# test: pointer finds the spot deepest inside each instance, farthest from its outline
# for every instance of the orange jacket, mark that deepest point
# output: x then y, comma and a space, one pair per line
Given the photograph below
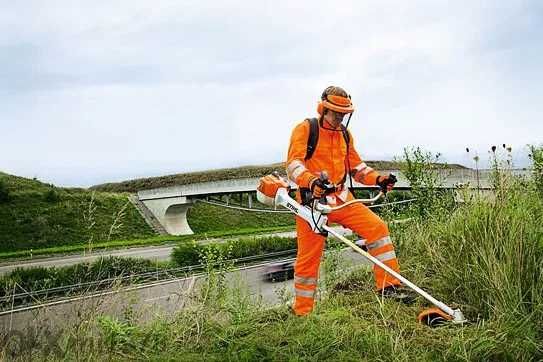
330, 155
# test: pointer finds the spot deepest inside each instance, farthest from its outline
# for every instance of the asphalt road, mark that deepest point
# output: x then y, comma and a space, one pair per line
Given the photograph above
149, 252
162, 298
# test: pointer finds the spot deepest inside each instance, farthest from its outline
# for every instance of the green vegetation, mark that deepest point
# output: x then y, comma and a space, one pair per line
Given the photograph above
205, 218
155, 240
217, 175
536, 154
85, 277
34, 215
186, 254
485, 256
422, 170
189, 178
4, 192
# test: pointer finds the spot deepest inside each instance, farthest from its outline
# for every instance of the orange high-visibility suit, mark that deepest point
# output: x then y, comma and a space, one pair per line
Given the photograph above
331, 155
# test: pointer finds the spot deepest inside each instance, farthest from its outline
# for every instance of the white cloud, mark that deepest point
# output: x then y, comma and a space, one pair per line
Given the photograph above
97, 91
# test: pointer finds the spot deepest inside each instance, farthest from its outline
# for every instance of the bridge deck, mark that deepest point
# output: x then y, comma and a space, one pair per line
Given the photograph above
451, 178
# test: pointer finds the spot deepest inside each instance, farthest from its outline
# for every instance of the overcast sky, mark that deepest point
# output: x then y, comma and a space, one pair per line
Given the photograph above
98, 91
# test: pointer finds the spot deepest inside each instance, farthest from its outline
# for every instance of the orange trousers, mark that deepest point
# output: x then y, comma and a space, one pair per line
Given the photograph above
361, 220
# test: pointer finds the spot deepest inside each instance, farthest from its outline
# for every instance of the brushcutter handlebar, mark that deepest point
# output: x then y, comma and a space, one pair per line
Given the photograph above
322, 206
325, 209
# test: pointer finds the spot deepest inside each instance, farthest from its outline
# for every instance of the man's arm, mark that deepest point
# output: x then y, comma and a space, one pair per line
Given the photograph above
296, 170
359, 170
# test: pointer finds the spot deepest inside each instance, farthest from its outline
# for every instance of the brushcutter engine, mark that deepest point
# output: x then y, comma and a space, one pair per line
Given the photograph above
273, 191
268, 187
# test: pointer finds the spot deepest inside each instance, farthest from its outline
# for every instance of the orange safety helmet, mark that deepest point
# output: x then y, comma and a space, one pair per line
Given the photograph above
336, 99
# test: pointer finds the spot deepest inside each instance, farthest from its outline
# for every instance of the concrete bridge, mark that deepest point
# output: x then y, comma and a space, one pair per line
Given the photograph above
166, 208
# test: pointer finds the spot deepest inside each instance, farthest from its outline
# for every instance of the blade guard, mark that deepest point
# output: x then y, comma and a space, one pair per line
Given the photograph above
435, 317
268, 187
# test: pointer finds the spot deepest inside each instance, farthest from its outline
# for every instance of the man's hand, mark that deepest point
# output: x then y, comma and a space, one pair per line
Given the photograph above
386, 183
317, 187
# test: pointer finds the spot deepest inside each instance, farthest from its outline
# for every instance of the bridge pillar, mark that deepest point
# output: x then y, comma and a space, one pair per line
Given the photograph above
175, 220
171, 212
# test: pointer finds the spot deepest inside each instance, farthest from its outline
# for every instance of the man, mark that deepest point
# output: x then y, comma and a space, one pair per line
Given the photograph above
334, 153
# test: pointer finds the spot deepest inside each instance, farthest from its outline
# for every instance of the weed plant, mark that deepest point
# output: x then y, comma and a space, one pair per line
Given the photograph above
426, 176
536, 155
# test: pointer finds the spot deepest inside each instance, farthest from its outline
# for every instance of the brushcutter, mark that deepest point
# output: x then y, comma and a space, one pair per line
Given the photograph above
273, 190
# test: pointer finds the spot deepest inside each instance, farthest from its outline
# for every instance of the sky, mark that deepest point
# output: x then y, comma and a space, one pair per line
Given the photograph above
103, 91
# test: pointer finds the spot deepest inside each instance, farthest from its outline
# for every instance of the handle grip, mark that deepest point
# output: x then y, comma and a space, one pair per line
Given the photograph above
392, 179
329, 187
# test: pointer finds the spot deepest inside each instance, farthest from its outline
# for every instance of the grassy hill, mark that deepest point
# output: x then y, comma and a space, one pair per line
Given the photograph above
216, 175
37, 215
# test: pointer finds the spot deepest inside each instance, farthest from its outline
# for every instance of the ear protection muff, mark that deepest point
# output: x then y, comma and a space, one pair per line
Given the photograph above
320, 109
335, 103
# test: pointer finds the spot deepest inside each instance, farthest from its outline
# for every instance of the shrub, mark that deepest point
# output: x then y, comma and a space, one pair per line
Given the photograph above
424, 173
33, 279
187, 254
4, 192
51, 195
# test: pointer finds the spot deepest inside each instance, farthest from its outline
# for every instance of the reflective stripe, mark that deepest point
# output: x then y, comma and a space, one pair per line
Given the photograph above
364, 169
389, 255
295, 169
381, 242
291, 166
305, 293
305, 280
361, 166
298, 171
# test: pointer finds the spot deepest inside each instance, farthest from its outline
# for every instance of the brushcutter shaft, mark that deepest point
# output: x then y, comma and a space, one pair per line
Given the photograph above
377, 262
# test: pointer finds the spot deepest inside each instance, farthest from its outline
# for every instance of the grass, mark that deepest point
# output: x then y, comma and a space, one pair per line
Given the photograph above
205, 218
38, 216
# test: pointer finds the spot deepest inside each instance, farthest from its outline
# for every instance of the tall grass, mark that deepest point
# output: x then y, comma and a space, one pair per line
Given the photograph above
536, 154
487, 256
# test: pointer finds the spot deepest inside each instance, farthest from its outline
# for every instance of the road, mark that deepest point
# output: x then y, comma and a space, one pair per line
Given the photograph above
150, 252
148, 301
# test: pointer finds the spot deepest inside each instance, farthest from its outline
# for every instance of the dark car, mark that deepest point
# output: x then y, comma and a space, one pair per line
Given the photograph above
279, 271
